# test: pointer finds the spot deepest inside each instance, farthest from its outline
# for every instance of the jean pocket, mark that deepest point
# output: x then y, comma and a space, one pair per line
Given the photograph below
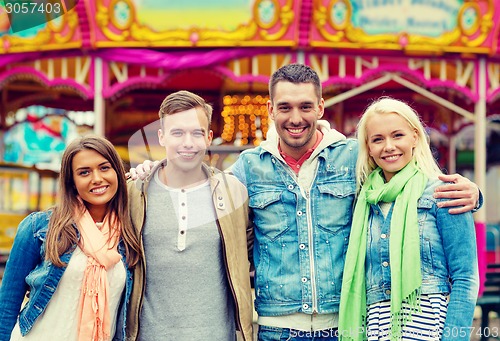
267, 333
269, 213
334, 209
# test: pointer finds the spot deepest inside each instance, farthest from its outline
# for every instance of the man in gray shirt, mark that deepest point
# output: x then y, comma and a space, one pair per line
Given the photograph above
193, 224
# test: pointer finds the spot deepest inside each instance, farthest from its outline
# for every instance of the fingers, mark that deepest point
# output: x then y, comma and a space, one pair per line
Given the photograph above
454, 191
143, 170
457, 206
460, 205
455, 202
148, 165
459, 210
450, 177
131, 174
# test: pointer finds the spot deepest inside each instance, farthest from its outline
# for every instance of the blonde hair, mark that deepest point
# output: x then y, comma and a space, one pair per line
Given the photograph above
422, 153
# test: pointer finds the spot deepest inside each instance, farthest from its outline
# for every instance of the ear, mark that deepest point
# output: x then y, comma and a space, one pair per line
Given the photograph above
270, 109
160, 137
415, 138
210, 137
321, 107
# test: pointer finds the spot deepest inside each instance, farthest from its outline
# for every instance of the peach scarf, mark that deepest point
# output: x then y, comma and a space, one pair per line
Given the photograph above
100, 248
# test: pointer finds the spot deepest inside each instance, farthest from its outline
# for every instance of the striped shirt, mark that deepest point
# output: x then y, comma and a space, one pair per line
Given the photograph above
426, 325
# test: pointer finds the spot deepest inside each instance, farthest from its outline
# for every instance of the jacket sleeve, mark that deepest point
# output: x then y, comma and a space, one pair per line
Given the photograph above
459, 243
23, 258
238, 170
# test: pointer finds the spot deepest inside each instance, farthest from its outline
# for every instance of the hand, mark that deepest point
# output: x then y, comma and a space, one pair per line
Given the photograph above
142, 170
462, 193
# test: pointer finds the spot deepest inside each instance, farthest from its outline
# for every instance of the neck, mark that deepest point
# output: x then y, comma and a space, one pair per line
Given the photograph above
97, 213
175, 178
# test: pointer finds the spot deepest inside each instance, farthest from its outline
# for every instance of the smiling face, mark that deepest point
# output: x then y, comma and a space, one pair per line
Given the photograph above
186, 137
95, 180
390, 142
295, 110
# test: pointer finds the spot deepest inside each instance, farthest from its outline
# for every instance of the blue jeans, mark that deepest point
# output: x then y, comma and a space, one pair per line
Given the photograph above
267, 333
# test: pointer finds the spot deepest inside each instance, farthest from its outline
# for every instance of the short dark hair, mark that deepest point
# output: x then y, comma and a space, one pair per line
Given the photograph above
295, 73
181, 101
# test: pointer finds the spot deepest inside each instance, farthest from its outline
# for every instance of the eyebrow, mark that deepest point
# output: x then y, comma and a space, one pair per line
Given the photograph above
180, 129
392, 132
86, 167
289, 103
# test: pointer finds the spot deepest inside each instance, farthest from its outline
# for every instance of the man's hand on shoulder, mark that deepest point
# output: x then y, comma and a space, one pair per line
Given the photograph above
463, 193
142, 170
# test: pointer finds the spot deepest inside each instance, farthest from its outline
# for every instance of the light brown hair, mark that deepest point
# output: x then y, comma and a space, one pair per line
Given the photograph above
181, 101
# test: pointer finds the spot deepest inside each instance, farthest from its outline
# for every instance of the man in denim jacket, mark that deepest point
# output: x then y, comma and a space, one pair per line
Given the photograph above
301, 185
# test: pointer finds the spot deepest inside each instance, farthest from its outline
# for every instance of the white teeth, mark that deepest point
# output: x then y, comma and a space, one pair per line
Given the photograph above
187, 154
295, 131
99, 190
392, 158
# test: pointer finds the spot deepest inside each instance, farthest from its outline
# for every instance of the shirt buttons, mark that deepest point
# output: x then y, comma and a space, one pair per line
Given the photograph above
305, 306
182, 231
388, 292
299, 213
304, 279
383, 236
290, 187
386, 264
302, 246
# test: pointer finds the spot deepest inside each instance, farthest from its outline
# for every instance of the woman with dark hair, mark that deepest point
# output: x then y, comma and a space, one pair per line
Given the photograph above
72, 263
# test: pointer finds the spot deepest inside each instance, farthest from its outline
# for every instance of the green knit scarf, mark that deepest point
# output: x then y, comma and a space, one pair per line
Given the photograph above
406, 187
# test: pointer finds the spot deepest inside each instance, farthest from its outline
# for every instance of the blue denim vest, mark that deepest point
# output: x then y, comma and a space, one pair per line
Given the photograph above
301, 234
447, 252
27, 269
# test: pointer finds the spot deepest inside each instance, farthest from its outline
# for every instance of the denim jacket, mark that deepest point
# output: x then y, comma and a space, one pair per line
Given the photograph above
28, 270
448, 258
301, 234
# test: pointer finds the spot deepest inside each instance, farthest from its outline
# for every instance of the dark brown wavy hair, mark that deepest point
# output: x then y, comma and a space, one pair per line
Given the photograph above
62, 235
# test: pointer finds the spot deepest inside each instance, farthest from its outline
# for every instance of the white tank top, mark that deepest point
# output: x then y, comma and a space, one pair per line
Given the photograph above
58, 321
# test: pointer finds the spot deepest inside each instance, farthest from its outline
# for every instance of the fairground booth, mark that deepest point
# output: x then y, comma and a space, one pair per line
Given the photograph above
106, 65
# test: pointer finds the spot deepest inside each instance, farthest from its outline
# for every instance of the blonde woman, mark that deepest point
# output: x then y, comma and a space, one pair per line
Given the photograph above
411, 267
